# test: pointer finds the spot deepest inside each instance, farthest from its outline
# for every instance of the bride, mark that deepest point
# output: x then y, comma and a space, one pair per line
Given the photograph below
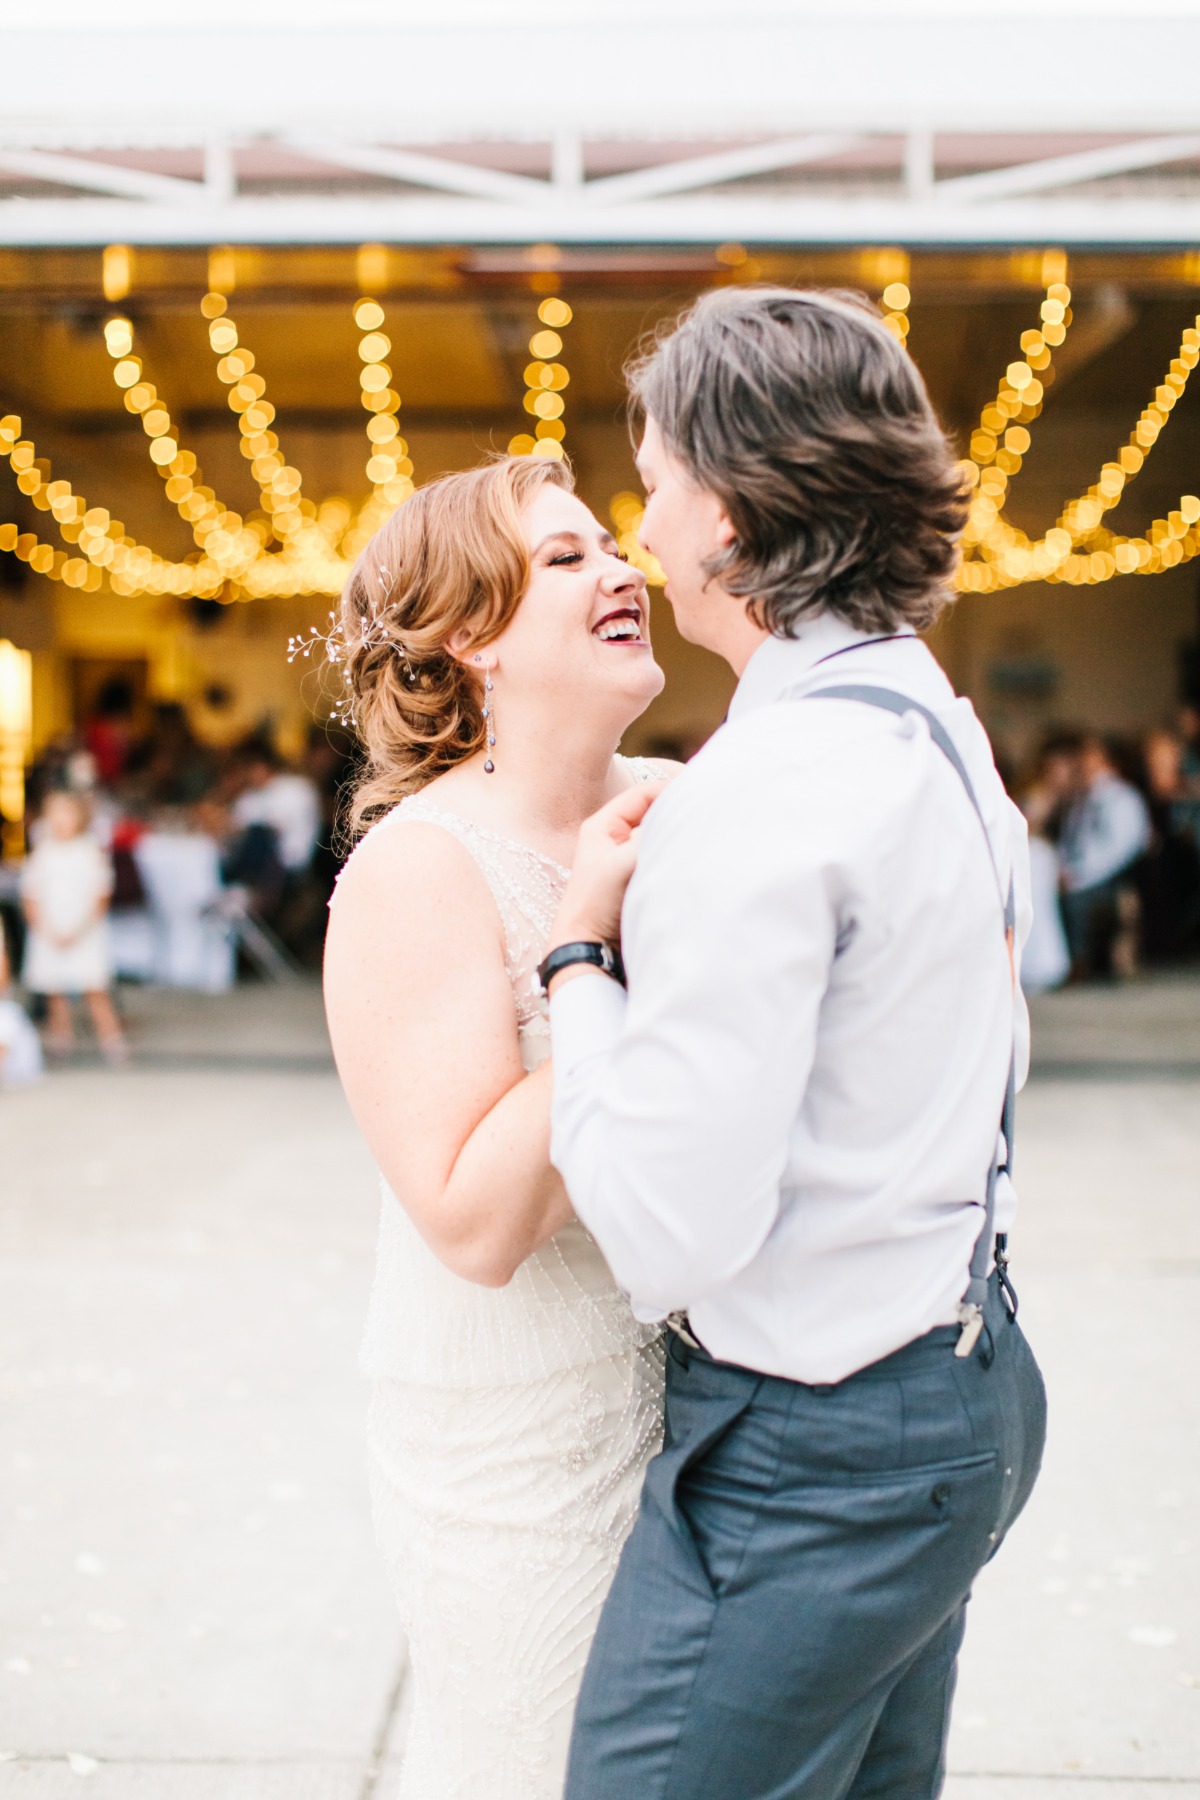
495, 648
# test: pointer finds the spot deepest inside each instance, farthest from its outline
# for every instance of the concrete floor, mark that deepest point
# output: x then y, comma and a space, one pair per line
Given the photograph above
191, 1606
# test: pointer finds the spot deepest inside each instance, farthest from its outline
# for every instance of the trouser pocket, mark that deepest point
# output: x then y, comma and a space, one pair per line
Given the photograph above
704, 1406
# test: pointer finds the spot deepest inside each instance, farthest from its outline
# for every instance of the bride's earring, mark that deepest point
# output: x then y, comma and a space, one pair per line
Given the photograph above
489, 718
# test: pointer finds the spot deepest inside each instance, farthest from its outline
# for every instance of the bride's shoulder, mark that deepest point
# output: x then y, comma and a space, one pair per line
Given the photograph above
410, 862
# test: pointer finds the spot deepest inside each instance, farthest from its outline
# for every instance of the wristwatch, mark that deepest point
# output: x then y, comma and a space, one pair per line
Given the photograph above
601, 956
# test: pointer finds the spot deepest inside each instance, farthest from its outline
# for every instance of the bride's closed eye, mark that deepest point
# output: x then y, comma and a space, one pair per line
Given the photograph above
568, 556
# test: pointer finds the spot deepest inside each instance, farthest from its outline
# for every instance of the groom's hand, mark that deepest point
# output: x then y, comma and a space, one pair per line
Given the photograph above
605, 859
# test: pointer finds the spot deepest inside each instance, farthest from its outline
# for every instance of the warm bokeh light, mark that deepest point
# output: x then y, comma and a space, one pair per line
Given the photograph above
290, 544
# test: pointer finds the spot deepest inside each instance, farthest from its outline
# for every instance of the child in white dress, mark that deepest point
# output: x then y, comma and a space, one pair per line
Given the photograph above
65, 887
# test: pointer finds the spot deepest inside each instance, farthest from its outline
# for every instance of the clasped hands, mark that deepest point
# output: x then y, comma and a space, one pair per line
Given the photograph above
605, 858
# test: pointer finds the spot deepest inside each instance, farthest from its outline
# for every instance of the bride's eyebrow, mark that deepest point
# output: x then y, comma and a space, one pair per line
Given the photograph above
558, 537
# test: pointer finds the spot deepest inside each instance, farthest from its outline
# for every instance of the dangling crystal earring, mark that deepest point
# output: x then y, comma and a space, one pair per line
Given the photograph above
489, 720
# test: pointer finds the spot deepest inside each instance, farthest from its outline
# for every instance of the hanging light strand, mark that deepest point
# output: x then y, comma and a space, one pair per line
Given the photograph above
627, 511
896, 300
280, 485
131, 567
223, 538
545, 381
1079, 549
1002, 438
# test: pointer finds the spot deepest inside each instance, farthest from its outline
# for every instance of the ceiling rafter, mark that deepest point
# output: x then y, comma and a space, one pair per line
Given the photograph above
685, 200
107, 178
1067, 171
695, 172
416, 169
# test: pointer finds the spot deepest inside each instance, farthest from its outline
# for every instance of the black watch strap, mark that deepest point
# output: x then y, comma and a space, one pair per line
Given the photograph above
599, 955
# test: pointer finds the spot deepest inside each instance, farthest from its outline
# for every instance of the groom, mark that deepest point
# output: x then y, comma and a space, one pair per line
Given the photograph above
784, 1136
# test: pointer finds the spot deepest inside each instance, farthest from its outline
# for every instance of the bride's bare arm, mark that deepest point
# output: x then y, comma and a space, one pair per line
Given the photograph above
421, 1017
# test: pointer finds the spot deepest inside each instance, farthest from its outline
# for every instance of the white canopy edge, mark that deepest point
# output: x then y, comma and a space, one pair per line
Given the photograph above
679, 221
654, 73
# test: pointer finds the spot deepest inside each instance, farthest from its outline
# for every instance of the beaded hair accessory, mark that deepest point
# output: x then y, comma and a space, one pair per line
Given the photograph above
373, 632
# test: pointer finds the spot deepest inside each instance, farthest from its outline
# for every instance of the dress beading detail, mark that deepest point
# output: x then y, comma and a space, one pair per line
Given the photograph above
509, 1432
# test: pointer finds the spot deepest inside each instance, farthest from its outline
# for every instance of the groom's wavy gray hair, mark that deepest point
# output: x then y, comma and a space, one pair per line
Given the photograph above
810, 422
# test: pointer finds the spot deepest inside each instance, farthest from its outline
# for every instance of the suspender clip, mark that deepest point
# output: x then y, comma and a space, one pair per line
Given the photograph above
970, 1318
1011, 1303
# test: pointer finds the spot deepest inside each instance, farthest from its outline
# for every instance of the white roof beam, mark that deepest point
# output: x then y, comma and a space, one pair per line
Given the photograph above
566, 171
418, 170
558, 217
103, 178
1067, 171
919, 170
720, 165
220, 171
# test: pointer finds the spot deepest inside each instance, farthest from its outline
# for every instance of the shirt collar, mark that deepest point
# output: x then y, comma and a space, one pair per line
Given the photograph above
779, 663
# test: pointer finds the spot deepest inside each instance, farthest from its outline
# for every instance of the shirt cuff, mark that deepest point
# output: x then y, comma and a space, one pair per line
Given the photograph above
586, 1019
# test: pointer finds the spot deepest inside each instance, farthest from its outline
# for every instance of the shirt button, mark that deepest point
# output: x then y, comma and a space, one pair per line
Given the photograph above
992, 1536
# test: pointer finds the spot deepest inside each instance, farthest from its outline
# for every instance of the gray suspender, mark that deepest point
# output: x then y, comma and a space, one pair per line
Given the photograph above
970, 1311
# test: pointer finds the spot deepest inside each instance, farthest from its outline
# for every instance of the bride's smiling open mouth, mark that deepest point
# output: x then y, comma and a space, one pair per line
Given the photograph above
623, 625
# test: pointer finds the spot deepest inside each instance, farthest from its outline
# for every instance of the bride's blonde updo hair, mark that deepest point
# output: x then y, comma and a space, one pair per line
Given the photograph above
453, 557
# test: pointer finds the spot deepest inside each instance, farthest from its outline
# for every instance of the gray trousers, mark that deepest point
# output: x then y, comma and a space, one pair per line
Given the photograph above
786, 1617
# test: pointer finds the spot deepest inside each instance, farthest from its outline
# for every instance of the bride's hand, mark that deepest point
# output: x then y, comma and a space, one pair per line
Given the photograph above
605, 859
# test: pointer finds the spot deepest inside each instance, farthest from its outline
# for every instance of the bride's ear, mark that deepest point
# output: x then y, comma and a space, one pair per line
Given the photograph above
460, 645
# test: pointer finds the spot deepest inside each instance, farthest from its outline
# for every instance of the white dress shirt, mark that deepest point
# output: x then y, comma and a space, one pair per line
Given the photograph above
786, 1125
291, 805
1103, 833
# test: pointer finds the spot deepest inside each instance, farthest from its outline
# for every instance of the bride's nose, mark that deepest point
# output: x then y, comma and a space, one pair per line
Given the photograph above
620, 577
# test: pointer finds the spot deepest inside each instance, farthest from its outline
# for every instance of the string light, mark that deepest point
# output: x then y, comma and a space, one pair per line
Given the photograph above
222, 269
371, 268
16, 731
545, 380
101, 538
627, 512
1079, 549
116, 271
1002, 438
219, 533
897, 300
295, 547
389, 469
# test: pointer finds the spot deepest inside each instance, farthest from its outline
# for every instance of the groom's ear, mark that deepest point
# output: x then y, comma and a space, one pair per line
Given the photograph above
724, 532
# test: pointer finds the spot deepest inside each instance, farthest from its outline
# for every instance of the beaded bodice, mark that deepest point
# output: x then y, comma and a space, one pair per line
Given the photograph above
527, 888
562, 1309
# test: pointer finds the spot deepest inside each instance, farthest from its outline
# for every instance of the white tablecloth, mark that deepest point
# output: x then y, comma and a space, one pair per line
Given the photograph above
179, 939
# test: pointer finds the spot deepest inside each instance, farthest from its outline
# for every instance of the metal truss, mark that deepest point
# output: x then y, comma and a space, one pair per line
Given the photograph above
813, 189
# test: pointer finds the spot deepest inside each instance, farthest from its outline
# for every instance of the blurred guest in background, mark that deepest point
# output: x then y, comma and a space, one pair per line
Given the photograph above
329, 760
170, 767
1105, 832
20, 1046
66, 884
1046, 960
109, 732
1169, 874
285, 802
1189, 732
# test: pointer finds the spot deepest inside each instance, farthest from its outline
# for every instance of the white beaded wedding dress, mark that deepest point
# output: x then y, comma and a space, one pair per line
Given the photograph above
508, 1433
